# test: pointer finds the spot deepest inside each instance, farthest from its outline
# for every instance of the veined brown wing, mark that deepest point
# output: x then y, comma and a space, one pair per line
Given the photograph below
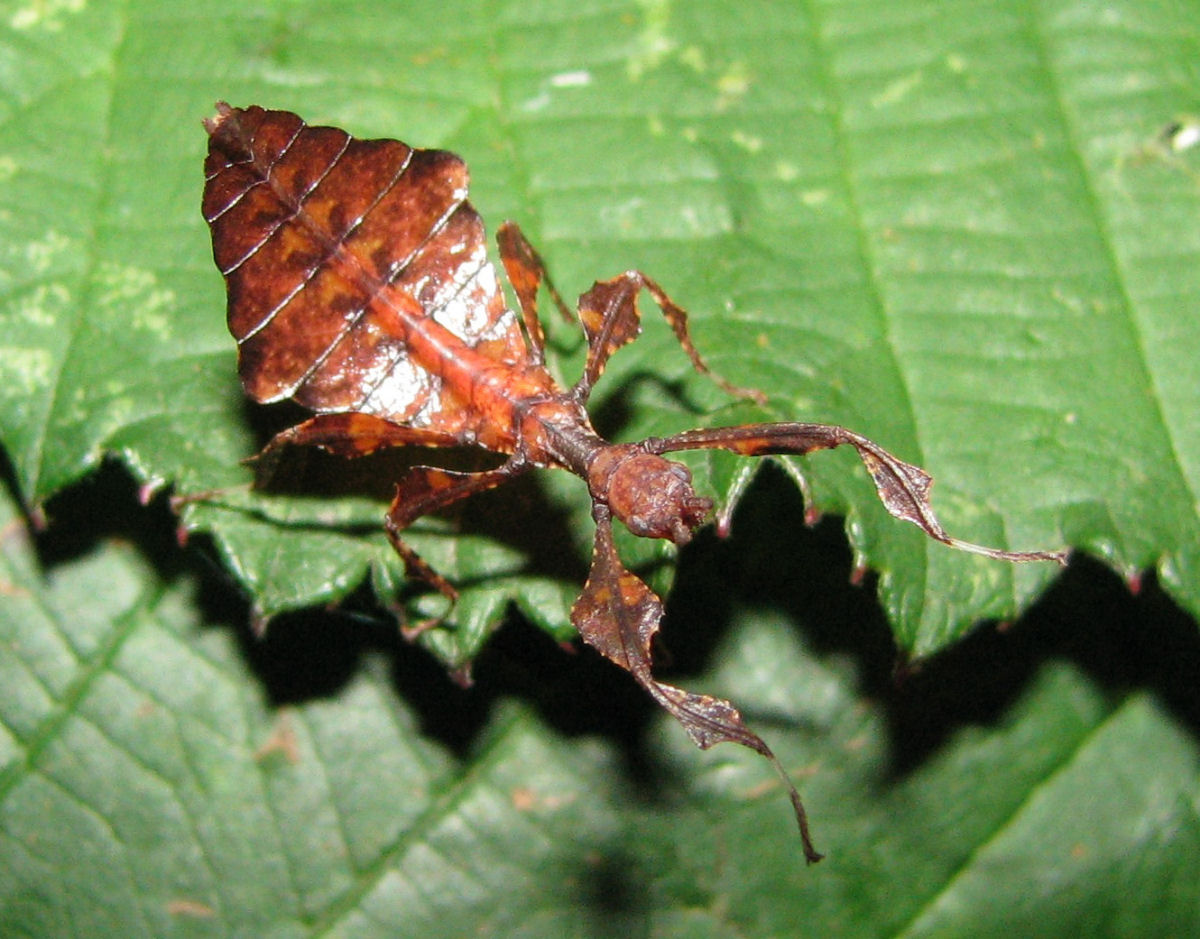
334, 250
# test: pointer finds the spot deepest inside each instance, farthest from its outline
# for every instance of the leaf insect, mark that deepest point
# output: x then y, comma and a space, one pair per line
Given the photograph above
359, 286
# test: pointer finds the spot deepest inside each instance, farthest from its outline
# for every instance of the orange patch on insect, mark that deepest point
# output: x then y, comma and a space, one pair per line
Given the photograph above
603, 596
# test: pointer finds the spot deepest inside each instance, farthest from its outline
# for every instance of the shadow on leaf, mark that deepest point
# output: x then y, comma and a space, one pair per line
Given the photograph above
1122, 641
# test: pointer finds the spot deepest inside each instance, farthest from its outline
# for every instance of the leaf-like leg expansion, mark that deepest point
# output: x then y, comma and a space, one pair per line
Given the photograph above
346, 435
610, 317
618, 614
426, 489
902, 487
355, 434
526, 271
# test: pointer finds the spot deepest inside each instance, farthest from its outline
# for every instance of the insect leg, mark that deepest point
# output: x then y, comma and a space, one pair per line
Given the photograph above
902, 487
526, 272
347, 435
355, 434
618, 615
424, 490
611, 319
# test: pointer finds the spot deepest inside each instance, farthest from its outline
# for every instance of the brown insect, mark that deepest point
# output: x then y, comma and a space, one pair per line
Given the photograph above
359, 286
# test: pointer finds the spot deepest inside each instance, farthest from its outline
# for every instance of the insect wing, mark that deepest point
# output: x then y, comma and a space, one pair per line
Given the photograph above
336, 252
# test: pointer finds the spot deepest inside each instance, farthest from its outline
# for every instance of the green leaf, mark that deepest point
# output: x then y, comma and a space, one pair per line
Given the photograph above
963, 234
149, 788
967, 231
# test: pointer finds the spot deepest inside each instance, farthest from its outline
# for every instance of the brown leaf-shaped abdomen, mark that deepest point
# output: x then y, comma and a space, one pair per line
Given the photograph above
335, 251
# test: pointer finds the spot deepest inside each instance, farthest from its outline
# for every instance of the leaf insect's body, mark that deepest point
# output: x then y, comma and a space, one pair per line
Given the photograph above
359, 286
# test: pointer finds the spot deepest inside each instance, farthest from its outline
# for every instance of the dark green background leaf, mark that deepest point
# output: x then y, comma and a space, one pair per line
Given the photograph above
151, 785
968, 231
963, 235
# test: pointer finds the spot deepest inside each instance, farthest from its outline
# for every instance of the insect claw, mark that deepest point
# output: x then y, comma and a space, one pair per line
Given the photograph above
1060, 556
148, 490
462, 676
260, 622
412, 631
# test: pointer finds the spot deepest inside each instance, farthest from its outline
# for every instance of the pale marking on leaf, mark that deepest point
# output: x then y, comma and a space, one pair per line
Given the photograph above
43, 306
573, 79
693, 58
135, 294
898, 90
786, 171
43, 253
732, 86
25, 370
748, 142
653, 43
537, 103
45, 13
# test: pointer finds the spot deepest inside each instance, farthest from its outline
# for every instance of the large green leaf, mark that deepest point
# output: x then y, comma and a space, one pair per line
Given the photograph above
967, 231
148, 788
963, 234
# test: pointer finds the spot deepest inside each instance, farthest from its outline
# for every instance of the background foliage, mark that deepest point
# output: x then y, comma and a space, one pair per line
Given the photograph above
967, 231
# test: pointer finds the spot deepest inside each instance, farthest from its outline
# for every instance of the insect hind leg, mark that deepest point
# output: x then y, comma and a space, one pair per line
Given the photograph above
424, 490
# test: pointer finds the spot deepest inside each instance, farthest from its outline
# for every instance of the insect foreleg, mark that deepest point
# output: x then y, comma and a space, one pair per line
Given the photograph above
424, 490
526, 271
618, 615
